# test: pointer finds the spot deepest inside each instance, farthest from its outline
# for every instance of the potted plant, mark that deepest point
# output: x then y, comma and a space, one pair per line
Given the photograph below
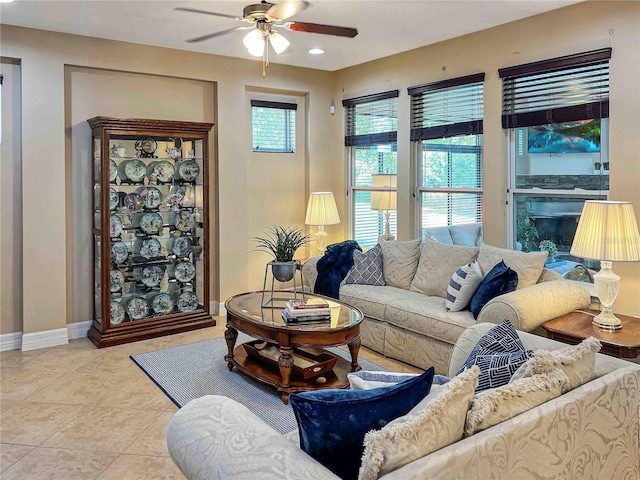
282, 243
526, 232
551, 249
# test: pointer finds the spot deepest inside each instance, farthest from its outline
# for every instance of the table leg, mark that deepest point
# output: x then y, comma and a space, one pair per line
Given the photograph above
354, 348
285, 363
230, 335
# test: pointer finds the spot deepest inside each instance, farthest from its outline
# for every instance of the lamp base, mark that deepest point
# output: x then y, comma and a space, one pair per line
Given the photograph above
607, 321
606, 283
387, 237
321, 238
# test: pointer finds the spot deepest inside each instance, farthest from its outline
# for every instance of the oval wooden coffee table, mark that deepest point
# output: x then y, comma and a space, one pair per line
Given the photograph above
245, 314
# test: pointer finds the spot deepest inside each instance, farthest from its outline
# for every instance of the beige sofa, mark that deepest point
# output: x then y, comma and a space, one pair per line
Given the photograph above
589, 432
417, 329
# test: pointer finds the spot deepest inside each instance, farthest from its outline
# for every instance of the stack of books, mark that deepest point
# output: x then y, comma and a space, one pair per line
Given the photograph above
309, 310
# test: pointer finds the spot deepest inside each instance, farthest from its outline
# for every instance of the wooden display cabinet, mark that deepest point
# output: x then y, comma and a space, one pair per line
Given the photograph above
150, 228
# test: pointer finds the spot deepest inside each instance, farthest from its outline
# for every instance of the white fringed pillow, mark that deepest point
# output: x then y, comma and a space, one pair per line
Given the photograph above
463, 284
499, 404
577, 362
429, 426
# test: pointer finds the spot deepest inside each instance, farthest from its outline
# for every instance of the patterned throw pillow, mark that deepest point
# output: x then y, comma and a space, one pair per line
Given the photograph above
498, 353
462, 286
399, 261
367, 268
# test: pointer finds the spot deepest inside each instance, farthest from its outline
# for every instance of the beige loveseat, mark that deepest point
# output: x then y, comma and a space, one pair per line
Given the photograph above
404, 323
590, 432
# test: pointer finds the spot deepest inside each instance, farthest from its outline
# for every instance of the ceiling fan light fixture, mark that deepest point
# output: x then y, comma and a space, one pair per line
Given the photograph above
254, 42
278, 42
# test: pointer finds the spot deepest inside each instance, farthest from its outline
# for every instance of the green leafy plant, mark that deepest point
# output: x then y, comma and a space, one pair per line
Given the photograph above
549, 247
526, 232
282, 242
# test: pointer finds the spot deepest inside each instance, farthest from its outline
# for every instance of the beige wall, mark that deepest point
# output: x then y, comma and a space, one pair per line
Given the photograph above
46, 55
574, 29
10, 201
45, 148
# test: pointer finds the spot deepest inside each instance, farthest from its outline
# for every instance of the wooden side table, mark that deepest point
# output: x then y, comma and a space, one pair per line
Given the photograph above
574, 327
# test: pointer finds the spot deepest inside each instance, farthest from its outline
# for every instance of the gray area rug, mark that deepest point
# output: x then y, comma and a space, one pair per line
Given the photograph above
191, 371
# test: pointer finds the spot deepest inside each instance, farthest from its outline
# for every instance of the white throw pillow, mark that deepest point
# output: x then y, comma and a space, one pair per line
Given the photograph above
399, 261
438, 262
428, 427
577, 362
463, 284
528, 266
491, 407
368, 379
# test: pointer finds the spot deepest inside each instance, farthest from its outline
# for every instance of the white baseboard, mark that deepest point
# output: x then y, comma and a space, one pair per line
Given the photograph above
48, 338
10, 341
216, 306
79, 329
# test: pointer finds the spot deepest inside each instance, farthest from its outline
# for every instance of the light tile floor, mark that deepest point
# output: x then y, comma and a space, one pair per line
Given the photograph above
76, 412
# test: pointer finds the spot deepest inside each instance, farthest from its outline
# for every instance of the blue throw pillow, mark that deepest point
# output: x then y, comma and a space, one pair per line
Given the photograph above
332, 423
500, 280
498, 354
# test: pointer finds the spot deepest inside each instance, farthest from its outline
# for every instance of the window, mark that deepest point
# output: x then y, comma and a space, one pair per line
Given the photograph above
556, 112
371, 125
446, 128
273, 126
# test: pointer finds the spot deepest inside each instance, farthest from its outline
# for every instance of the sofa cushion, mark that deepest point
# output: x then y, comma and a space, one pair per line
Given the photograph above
499, 404
576, 361
372, 300
367, 268
498, 353
500, 280
399, 261
528, 265
428, 316
463, 284
440, 234
433, 424
333, 422
438, 262
468, 235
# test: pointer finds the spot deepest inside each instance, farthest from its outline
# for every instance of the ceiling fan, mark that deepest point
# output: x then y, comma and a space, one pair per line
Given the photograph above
263, 17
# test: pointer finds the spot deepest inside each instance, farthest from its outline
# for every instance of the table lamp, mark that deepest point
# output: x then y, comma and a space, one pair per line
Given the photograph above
321, 211
607, 231
384, 200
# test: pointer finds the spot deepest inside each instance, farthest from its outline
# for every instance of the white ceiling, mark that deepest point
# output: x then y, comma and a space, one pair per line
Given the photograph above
385, 27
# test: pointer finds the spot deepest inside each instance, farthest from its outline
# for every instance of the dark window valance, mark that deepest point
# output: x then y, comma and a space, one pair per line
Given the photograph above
280, 105
447, 108
563, 89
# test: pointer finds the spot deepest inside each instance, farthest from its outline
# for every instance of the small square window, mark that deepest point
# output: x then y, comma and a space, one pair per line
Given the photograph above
273, 126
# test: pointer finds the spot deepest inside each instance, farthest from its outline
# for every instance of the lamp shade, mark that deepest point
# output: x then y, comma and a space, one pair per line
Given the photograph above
384, 200
322, 209
278, 42
254, 41
607, 231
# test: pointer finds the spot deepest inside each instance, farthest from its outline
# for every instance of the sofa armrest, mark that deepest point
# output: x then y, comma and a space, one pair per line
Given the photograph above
310, 271
530, 307
216, 437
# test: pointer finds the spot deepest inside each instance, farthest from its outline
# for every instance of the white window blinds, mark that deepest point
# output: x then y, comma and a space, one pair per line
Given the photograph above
273, 126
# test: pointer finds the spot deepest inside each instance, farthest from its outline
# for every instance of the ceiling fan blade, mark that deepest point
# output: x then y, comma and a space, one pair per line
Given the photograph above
323, 29
217, 34
206, 12
287, 9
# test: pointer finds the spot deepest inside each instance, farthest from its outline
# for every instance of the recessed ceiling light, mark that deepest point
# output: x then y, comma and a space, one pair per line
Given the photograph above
316, 51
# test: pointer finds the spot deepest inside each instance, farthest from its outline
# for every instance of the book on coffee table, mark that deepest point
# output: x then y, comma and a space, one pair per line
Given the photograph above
288, 318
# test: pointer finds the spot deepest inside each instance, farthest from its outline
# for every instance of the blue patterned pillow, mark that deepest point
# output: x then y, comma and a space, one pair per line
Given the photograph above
500, 280
332, 423
367, 267
498, 354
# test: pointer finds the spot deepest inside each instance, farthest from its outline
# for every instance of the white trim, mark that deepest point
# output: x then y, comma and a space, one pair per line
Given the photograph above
48, 338
216, 306
78, 329
10, 341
